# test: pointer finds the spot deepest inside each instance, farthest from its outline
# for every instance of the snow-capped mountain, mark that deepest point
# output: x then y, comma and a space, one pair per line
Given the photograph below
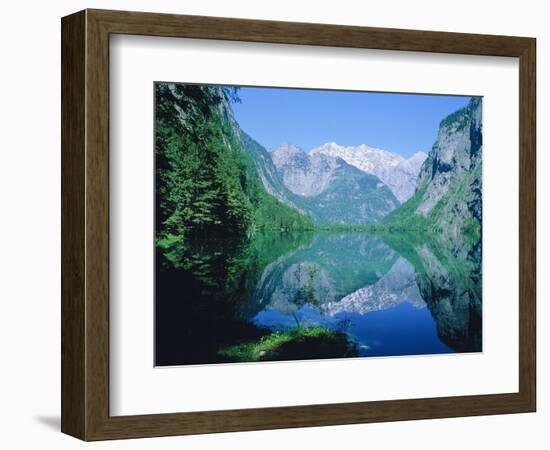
304, 174
330, 189
398, 173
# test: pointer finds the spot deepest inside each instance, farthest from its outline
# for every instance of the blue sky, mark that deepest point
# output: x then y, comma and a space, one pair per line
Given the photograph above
402, 123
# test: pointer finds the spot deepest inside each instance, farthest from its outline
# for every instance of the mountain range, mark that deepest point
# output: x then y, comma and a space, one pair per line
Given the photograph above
336, 184
360, 185
226, 182
330, 189
398, 173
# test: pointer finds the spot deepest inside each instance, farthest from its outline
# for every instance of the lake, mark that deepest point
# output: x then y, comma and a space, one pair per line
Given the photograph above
283, 296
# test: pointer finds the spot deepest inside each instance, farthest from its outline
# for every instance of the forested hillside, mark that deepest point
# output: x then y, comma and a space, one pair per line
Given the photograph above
206, 185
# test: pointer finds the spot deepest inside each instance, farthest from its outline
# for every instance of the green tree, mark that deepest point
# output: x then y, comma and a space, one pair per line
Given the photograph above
206, 184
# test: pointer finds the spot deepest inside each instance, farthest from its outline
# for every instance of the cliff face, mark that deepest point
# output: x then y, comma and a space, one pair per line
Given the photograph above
266, 171
303, 174
448, 200
450, 180
448, 196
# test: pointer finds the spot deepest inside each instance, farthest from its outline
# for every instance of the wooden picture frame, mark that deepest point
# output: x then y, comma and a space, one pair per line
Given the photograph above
85, 224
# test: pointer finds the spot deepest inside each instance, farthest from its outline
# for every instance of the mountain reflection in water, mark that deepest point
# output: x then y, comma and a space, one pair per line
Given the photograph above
385, 295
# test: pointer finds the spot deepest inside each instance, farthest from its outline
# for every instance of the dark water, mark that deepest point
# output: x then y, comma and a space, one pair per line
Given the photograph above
386, 296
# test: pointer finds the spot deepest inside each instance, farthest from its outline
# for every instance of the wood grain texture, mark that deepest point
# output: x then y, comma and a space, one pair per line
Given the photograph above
527, 224
73, 109
85, 224
266, 31
97, 225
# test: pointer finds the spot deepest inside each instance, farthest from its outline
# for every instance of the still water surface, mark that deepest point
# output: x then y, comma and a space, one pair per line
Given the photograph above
386, 297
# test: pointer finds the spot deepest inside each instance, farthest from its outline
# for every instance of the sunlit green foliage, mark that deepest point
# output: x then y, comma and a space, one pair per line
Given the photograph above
206, 186
405, 217
197, 181
315, 342
471, 230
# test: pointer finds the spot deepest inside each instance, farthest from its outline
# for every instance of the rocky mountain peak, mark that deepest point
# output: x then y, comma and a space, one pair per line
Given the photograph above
286, 147
398, 173
329, 188
455, 156
288, 154
302, 173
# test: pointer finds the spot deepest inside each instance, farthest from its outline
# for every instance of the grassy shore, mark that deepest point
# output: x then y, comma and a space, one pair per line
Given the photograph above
300, 343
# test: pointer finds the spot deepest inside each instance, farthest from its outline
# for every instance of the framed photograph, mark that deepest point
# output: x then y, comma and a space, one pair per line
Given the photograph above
272, 225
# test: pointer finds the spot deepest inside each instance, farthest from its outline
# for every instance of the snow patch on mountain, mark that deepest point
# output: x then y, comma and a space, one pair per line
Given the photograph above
398, 173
